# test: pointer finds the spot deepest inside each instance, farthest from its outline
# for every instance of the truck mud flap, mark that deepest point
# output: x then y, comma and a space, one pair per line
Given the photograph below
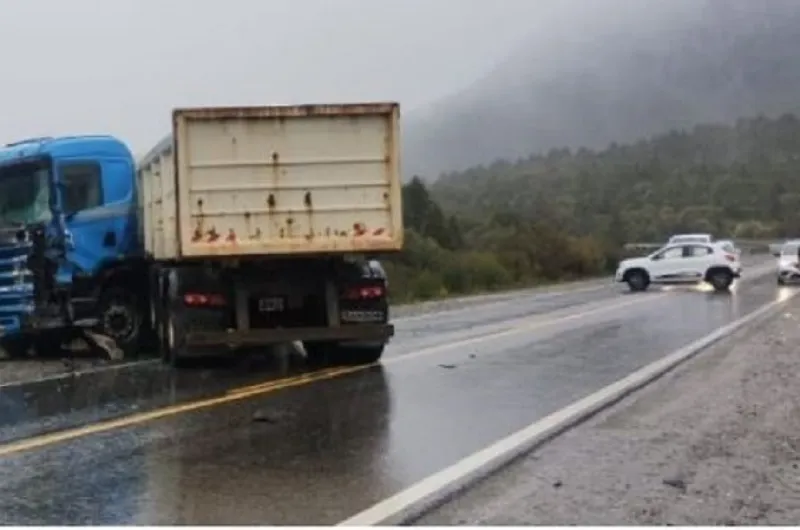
258, 337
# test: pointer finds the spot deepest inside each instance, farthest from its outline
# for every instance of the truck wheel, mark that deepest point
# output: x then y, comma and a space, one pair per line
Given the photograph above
174, 350
720, 279
121, 319
637, 281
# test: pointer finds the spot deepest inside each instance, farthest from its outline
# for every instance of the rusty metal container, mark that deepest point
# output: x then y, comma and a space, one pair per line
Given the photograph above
274, 180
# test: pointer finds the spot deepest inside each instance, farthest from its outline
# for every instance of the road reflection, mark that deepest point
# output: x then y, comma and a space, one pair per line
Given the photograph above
261, 463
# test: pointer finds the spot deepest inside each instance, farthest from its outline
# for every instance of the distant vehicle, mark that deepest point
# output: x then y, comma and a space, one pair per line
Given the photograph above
788, 262
690, 238
682, 263
730, 246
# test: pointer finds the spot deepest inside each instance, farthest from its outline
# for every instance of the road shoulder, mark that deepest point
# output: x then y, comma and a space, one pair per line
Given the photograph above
715, 442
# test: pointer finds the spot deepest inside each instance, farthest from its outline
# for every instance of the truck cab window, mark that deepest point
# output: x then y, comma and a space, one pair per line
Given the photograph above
24, 194
82, 187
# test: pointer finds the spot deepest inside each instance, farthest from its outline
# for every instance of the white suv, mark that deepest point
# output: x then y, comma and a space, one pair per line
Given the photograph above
682, 263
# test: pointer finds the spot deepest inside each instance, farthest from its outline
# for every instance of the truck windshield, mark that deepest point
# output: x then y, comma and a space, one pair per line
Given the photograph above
24, 194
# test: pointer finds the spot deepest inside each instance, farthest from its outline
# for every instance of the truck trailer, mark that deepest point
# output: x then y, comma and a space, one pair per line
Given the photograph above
246, 226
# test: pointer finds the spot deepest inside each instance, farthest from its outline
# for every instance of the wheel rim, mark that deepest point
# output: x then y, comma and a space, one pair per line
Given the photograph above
119, 320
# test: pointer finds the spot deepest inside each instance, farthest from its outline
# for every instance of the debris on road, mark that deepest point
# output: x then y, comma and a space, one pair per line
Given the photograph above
715, 442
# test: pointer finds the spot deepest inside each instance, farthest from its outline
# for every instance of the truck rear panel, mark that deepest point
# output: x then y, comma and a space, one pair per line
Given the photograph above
283, 180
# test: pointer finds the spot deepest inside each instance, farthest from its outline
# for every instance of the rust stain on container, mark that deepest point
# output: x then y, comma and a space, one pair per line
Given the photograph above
378, 231
359, 229
309, 205
212, 235
198, 231
231, 237
276, 168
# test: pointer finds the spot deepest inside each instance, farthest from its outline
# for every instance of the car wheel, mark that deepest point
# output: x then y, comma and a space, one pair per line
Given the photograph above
721, 280
637, 281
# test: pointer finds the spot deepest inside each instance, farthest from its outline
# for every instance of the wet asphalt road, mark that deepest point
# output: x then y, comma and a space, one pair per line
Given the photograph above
318, 452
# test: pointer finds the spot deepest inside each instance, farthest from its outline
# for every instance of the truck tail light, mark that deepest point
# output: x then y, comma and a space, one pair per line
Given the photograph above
364, 292
730, 257
204, 300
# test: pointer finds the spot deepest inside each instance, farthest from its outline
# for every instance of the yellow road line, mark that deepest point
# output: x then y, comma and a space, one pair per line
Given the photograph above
242, 393
143, 417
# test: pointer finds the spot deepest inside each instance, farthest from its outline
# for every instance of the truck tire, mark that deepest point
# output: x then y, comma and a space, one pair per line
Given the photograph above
174, 349
637, 280
720, 279
320, 354
122, 319
175, 353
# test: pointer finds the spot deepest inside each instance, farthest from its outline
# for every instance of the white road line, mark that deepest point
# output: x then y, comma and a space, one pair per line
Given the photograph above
526, 325
416, 500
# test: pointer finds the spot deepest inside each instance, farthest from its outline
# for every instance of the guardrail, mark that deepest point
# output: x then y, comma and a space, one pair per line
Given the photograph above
750, 246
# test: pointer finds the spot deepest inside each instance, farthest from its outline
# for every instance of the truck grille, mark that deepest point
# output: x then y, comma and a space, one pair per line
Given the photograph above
16, 285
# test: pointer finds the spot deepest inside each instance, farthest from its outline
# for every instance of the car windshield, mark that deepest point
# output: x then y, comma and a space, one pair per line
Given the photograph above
24, 194
790, 249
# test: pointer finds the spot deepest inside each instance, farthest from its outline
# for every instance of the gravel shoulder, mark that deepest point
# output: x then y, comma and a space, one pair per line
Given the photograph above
715, 442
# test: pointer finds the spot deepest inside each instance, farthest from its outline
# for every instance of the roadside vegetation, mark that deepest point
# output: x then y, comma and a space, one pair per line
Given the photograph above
567, 214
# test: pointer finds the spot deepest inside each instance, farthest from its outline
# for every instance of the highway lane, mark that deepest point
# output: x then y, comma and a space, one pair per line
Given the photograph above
61, 402
490, 306
317, 453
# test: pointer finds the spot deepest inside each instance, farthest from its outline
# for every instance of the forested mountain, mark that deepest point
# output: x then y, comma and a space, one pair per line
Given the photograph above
741, 180
721, 60
567, 213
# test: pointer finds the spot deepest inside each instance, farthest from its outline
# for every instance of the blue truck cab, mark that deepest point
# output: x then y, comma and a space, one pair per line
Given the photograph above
70, 255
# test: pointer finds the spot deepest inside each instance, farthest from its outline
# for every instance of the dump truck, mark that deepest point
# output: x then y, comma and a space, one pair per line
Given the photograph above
245, 226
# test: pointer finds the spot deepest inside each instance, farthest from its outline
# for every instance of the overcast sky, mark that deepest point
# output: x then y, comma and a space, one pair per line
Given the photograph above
119, 66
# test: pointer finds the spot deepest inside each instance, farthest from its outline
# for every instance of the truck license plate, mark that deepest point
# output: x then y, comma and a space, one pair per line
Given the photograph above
270, 305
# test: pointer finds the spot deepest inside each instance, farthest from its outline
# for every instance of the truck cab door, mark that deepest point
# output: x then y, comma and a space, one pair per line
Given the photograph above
96, 199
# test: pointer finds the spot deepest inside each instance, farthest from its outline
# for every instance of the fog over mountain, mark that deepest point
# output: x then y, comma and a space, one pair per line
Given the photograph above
587, 83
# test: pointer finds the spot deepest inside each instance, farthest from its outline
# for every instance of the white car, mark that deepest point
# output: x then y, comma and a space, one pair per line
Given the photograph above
788, 262
690, 238
682, 263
